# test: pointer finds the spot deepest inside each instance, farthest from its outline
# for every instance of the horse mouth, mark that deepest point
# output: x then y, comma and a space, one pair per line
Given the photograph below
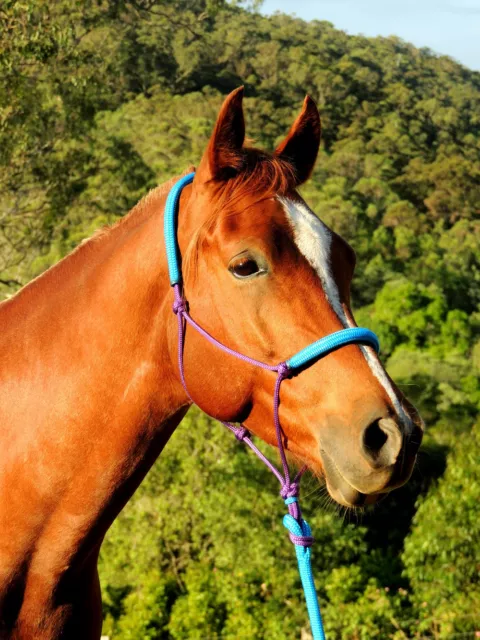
340, 488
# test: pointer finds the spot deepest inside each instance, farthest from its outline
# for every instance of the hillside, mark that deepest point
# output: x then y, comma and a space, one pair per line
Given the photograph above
99, 102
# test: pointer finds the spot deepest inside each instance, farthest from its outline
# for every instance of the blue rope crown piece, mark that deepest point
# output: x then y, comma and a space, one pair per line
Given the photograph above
170, 228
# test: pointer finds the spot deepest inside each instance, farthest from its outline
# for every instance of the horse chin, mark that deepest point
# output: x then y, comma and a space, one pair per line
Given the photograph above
348, 496
342, 491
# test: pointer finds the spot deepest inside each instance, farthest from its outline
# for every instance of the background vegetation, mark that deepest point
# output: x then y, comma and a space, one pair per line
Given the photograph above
101, 100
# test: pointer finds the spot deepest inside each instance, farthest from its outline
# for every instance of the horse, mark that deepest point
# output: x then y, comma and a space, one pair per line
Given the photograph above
90, 390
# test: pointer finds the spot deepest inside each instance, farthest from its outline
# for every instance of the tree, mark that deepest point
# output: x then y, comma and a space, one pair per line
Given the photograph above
442, 554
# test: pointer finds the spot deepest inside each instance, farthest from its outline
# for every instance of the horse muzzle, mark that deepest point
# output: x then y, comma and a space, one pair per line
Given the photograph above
384, 462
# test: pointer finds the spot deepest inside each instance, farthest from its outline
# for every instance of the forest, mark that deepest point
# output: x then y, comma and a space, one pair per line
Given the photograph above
101, 100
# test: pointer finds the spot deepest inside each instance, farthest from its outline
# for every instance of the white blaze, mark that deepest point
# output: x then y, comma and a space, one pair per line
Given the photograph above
314, 239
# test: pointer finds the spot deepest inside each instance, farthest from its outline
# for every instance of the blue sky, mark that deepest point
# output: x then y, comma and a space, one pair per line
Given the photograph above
451, 27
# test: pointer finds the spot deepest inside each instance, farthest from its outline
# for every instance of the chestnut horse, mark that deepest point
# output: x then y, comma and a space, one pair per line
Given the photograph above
90, 390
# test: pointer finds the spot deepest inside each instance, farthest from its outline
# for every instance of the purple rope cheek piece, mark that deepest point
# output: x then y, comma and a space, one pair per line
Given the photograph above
298, 528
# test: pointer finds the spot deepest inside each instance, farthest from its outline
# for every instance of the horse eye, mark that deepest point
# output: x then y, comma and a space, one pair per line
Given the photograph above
244, 268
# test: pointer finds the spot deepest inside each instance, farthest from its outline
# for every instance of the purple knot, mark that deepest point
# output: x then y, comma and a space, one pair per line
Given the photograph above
283, 370
179, 307
289, 490
241, 433
301, 541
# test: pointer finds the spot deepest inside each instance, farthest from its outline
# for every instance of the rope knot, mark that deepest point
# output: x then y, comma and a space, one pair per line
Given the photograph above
289, 490
241, 433
179, 306
283, 370
299, 531
301, 541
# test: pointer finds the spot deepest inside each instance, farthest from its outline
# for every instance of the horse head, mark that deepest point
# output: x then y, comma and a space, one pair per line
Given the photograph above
265, 276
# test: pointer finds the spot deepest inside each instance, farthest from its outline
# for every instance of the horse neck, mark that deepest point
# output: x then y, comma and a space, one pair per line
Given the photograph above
89, 350
89, 396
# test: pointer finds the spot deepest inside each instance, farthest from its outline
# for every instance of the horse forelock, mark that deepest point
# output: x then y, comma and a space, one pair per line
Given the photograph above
260, 176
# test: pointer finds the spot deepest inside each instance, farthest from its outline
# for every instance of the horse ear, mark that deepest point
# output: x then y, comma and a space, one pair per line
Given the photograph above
223, 154
300, 147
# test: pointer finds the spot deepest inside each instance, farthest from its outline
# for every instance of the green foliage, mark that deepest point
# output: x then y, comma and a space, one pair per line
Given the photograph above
100, 101
208, 528
442, 554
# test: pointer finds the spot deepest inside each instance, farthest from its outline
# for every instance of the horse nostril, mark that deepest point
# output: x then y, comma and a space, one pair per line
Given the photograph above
374, 437
382, 442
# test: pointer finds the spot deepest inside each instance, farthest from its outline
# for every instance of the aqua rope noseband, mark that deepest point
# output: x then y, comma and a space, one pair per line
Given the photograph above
299, 531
